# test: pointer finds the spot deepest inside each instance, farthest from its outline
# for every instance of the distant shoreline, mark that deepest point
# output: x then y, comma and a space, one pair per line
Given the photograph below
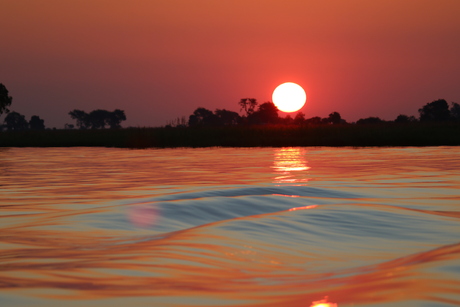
388, 134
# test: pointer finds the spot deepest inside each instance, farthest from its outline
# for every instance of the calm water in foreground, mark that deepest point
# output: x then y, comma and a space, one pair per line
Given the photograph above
230, 227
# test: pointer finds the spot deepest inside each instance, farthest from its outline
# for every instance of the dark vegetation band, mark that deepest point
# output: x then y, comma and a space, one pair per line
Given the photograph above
259, 125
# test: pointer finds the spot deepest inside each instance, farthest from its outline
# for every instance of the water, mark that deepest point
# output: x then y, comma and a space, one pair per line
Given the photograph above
230, 227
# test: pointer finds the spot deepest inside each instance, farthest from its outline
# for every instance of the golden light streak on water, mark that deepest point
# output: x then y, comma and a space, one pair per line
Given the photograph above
323, 303
287, 163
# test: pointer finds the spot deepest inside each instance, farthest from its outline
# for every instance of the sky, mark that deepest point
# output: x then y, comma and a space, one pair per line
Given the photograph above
160, 60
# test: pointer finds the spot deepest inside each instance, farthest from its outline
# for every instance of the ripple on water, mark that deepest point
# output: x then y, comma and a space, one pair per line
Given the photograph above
234, 227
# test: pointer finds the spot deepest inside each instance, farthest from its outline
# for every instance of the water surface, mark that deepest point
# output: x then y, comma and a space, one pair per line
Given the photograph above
230, 227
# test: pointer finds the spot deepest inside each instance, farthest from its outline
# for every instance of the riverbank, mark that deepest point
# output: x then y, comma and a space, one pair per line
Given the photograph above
388, 134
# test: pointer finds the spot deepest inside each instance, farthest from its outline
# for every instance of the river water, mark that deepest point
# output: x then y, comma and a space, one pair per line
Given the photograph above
230, 227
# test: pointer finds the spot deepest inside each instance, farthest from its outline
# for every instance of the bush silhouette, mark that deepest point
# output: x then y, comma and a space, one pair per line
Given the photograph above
15, 121
5, 99
98, 119
435, 111
36, 123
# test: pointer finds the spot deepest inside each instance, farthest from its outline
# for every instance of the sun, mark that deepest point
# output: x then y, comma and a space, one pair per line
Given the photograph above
289, 97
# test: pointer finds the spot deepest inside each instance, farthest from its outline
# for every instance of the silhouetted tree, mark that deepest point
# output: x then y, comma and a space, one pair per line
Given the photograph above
15, 121
299, 119
402, 119
455, 111
81, 117
202, 117
335, 118
36, 123
226, 117
5, 100
313, 121
436, 111
288, 120
266, 114
369, 120
248, 105
98, 119
115, 118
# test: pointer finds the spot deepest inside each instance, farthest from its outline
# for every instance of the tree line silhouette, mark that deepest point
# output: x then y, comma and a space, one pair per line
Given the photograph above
97, 119
14, 120
253, 113
267, 113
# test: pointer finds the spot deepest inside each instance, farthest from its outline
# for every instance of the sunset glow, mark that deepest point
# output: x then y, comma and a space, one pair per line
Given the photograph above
323, 303
289, 97
160, 60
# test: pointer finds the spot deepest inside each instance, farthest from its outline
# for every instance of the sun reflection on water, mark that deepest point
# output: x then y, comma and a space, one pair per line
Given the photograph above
288, 164
323, 303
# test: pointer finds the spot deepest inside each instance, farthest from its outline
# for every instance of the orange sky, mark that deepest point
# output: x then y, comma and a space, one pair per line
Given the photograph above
159, 60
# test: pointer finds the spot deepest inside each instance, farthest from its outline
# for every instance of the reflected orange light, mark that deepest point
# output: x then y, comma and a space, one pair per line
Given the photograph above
303, 208
288, 161
323, 303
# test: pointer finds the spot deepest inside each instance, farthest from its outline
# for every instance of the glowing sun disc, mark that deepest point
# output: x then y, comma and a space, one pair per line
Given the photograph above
289, 97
